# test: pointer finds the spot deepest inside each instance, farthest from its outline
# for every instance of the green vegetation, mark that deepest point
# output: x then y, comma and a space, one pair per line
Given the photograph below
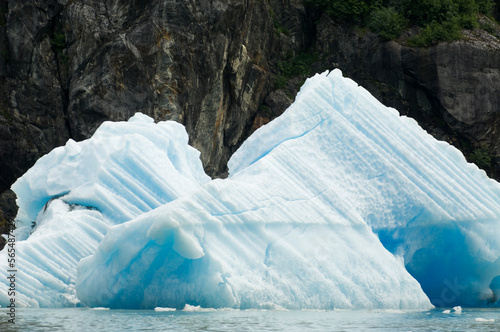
292, 66
298, 65
482, 158
443, 20
346, 10
278, 27
58, 42
435, 32
439, 20
266, 110
488, 27
387, 22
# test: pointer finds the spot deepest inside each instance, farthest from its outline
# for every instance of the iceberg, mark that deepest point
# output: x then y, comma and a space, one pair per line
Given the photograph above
71, 197
125, 169
338, 203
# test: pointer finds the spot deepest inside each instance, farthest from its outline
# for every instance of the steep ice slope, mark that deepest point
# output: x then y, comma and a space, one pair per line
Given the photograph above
75, 193
423, 199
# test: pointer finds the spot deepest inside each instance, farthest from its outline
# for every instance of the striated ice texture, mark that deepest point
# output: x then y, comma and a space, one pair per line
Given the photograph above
75, 193
124, 170
338, 203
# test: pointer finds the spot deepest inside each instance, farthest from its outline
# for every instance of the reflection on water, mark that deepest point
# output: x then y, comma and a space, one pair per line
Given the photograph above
84, 319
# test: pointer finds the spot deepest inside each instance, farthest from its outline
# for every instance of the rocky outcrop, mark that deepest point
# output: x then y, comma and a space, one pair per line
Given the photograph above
68, 65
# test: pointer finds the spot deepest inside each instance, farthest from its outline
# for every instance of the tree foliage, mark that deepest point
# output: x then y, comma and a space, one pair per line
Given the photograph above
440, 20
350, 10
387, 22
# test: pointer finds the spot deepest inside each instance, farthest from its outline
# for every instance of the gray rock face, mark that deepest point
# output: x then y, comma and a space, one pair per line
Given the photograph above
32, 119
198, 63
68, 65
278, 102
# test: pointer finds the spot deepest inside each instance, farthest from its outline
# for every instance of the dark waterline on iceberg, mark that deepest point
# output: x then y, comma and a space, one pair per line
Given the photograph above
84, 319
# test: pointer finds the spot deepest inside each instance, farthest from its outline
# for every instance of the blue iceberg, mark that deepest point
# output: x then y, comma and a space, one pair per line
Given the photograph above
71, 197
338, 203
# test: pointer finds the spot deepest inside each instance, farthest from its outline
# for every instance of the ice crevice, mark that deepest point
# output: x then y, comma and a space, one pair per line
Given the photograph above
338, 203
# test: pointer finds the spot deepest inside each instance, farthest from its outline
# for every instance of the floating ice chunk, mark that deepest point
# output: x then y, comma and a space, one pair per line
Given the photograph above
193, 308
282, 229
485, 320
321, 208
293, 224
457, 309
164, 309
447, 311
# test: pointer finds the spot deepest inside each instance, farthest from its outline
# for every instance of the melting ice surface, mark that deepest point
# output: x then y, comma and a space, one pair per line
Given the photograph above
338, 203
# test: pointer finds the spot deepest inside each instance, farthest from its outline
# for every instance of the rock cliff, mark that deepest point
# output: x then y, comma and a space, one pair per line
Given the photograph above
68, 65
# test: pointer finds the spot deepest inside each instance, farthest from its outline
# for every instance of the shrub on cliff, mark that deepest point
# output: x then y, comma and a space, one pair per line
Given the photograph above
482, 158
387, 22
346, 10
439, 20
436, 32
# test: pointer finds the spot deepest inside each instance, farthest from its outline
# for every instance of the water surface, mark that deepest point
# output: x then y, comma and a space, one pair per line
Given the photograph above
85, 319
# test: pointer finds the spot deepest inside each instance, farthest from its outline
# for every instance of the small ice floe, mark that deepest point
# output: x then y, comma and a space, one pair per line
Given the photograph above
188, 307
456, 310
164, 309
485, 320
100, 308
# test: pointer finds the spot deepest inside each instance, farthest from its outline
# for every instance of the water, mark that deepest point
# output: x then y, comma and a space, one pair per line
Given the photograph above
84, 319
